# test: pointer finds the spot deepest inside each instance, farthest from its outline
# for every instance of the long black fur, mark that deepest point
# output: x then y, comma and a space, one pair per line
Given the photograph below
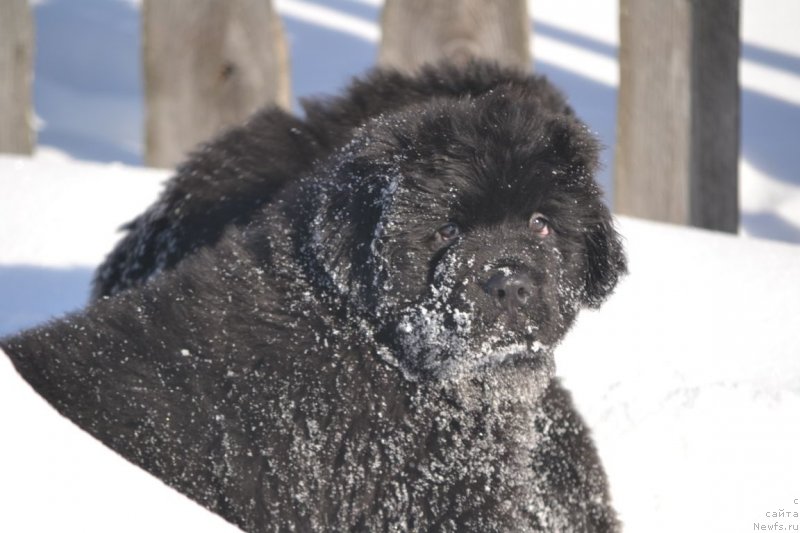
313, 356
227, 180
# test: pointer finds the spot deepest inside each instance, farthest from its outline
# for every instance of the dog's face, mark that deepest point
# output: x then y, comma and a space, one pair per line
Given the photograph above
467, 235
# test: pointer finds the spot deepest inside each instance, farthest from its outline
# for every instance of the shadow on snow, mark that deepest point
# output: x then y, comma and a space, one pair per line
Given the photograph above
33, 294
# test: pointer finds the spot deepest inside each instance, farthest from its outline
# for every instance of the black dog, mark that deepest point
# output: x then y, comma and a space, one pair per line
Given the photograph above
231, 178
368, 347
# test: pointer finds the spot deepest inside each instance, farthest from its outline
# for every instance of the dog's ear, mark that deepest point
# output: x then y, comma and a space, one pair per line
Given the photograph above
573, 143
345, 223
605, 260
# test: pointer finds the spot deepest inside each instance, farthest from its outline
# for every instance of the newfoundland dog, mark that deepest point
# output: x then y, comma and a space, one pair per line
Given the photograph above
347, 321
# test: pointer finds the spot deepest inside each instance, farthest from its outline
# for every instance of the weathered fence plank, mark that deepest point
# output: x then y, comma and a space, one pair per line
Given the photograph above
208, 64
678, 112
420, 31
16, 75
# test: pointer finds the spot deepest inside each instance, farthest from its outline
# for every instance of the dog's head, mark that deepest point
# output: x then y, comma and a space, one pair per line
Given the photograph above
466, 233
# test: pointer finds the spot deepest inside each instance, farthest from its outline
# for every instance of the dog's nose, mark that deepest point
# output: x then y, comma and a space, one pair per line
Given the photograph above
510, 291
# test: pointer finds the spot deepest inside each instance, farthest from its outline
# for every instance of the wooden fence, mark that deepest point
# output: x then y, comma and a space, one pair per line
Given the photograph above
209, 64
16, 76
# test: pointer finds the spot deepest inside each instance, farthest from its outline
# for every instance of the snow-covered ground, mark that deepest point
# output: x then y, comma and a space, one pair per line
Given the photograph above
690, 375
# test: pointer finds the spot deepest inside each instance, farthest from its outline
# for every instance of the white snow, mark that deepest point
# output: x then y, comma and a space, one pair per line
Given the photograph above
46, 230
690, 375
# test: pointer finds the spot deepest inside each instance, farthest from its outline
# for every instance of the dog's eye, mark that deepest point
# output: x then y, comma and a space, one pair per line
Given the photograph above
447, 233
539, 224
